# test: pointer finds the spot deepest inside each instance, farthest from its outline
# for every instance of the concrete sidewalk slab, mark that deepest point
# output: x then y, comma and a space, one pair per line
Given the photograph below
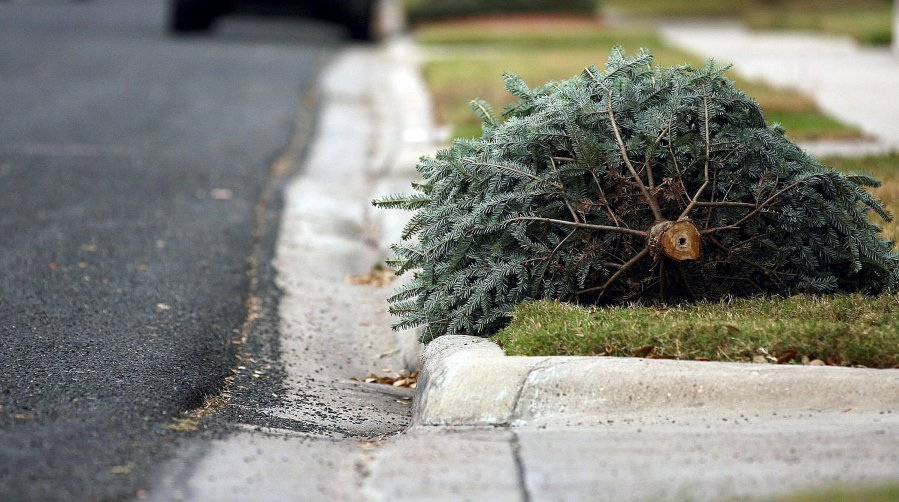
469, 381
858, 85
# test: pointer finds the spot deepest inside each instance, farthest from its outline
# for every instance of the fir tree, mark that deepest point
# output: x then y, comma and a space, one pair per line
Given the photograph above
640, 183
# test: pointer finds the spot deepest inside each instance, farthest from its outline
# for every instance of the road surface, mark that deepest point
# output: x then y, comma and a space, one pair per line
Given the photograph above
131, 167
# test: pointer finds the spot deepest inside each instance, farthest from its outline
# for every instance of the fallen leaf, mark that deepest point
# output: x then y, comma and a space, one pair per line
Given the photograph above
759, 360
221, 193
162, 307
184, 425
89, 248
835, 361
121, 469
817, 362
787, 356
377, 277
644, 351
407, 380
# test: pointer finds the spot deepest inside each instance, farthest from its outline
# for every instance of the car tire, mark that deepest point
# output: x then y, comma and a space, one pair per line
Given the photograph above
361, 20
191, 15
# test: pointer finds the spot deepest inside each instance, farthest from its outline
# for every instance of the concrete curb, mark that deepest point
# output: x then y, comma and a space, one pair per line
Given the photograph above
467, 381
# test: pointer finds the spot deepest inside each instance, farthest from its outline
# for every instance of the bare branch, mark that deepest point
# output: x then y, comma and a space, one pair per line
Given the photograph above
748, 205
705, 177
604, 200
755, 211
553, 253
680, 176
650, 200
624, 268
588, 226
562, 186
767, 272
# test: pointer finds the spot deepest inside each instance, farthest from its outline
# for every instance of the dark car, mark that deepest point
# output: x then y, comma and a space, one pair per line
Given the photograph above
199, 15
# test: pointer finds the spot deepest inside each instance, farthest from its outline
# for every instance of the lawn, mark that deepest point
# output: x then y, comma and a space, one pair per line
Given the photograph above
467, 58
868, 21
874, 493
839, 330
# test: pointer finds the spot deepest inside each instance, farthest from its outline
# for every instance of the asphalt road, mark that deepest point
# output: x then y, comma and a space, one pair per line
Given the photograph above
130, 166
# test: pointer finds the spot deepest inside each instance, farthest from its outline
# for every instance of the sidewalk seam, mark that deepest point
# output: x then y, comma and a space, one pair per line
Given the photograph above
520, 468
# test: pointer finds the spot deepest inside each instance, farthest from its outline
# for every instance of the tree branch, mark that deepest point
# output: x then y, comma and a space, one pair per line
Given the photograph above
624, 268
755, 211
588, 226
705, 178
650, 200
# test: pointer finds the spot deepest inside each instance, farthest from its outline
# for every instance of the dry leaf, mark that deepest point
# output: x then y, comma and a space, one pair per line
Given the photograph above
407, 380
787, 356
644, 351
835, 361
121, 469
378, 277
221, 193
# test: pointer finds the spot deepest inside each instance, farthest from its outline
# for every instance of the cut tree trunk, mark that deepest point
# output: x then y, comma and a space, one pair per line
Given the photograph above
678, 240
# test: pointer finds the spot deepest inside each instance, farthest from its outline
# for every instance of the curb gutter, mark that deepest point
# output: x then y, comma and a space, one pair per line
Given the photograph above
468, 381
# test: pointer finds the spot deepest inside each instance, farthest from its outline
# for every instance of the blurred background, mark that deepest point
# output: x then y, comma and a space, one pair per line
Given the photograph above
475, 40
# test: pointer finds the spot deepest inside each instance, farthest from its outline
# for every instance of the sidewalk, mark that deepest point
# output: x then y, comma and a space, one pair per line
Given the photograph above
858, 85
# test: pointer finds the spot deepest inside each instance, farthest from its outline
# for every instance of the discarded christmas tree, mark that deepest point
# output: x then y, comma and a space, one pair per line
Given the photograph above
637, 184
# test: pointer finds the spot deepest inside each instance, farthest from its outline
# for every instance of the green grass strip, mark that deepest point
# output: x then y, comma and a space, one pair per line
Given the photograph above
844, 329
